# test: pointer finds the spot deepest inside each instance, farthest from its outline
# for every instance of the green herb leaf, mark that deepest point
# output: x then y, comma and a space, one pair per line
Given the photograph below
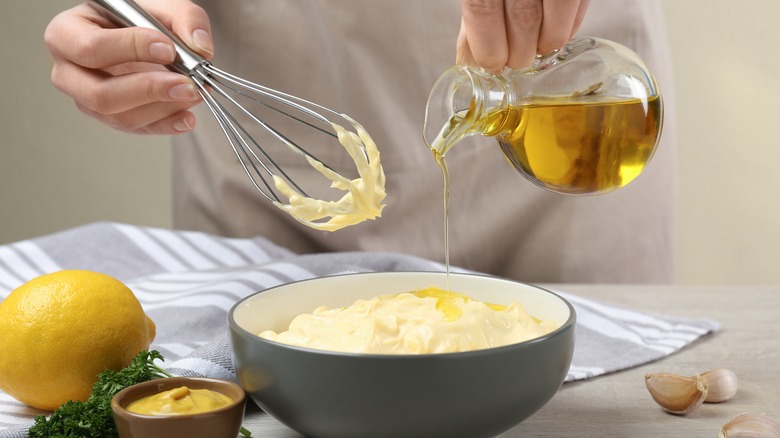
93, 418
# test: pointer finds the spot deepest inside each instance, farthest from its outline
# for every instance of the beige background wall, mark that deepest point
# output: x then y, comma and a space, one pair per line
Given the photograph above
727, 66
59, 169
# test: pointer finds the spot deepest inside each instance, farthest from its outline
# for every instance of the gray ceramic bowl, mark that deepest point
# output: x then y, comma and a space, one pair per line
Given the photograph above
341, 395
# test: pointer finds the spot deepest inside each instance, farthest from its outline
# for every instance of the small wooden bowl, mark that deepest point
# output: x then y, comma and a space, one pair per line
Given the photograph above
224, 422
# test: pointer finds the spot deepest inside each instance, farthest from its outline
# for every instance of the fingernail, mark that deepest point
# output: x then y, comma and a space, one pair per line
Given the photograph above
203, 41
182, 125
185, 92
161, 52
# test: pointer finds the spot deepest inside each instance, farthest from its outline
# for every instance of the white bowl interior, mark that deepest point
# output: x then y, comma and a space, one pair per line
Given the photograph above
275, 308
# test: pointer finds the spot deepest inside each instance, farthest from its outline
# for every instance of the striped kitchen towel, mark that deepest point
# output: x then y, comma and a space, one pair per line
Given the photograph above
187, 282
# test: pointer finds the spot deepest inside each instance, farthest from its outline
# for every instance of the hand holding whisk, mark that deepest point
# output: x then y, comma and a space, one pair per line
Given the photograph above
229, 98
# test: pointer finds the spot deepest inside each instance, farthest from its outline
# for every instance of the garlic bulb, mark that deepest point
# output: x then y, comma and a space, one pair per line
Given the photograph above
676, 394
749, 426
721, 384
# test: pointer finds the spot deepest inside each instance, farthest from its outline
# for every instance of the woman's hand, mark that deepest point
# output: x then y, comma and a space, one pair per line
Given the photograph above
509, 33
118, 76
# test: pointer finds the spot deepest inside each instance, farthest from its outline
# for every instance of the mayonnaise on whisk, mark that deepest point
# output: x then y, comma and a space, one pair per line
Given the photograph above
364, 196
427, 321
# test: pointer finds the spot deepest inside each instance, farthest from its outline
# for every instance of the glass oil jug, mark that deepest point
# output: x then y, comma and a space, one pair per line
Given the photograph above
583, 120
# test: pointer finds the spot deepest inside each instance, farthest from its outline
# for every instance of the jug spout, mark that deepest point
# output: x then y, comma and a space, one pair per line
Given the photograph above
459, 99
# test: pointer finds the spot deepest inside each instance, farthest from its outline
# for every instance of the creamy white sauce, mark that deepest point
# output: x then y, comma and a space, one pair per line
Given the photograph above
423, 322
363, 197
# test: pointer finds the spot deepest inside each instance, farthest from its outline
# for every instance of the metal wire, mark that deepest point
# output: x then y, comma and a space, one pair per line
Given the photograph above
258, 165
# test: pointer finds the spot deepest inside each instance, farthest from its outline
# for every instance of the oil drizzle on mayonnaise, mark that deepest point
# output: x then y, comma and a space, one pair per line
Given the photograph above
364, 196
426, 321
446, 173
457, 127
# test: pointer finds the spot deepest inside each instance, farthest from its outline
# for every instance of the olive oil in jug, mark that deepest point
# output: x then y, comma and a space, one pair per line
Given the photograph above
583, 120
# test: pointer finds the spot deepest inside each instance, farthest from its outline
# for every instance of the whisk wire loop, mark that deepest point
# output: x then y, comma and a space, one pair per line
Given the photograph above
243, 144
239, 146
294, 102
231, 82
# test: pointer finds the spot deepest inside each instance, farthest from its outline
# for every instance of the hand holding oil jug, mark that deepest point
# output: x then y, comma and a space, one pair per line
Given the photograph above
585, 119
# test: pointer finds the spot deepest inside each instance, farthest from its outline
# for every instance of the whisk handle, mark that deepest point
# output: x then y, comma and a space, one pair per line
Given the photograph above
127, 13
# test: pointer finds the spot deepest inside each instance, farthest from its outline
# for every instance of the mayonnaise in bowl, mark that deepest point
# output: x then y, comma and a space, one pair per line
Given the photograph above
425, 321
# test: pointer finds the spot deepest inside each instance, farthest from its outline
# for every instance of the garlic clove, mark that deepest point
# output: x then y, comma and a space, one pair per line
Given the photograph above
721, 385
676, 394
750, 426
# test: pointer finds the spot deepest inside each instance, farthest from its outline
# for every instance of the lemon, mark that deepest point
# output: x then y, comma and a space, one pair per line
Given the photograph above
60, 330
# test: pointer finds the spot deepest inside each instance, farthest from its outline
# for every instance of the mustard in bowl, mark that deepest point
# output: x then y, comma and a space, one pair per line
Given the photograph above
176, 407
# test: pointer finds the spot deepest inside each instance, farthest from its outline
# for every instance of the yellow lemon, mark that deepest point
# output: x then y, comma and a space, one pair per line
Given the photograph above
60, 330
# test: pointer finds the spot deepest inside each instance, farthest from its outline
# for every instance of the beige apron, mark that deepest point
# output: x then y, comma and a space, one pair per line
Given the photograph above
376, 61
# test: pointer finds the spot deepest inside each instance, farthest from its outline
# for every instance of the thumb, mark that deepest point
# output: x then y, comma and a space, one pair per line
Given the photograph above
463, 54
187, 20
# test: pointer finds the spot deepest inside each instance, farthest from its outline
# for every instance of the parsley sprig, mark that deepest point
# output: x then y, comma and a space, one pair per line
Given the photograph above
93, 418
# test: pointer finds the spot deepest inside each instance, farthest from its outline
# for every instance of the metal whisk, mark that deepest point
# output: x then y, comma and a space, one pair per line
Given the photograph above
221, 90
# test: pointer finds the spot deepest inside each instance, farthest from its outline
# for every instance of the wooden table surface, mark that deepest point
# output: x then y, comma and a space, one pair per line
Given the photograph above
618, 404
